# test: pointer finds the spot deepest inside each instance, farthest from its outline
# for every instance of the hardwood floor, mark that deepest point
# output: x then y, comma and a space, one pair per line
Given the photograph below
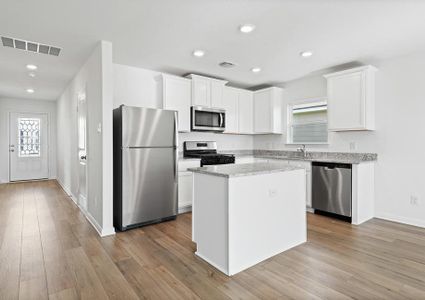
49, 250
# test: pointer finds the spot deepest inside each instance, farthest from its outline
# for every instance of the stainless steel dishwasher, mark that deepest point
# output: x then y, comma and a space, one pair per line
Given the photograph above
331, 188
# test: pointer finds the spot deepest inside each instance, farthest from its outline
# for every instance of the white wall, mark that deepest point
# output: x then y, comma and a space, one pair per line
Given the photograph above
137, 87
140, 87
95, 79
399, 138
8, 105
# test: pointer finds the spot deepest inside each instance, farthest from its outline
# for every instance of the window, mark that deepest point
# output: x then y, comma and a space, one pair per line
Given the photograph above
29, 137
308, 123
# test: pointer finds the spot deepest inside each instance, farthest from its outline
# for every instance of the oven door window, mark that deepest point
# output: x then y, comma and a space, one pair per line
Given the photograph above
207, 119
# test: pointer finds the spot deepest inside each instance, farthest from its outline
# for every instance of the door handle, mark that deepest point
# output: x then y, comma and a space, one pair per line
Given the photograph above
12, 150
84, 157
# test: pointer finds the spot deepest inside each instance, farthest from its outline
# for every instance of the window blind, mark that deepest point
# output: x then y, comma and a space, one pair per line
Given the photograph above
309, 123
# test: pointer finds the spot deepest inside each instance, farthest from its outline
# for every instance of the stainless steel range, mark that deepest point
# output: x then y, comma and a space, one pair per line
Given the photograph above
207, 152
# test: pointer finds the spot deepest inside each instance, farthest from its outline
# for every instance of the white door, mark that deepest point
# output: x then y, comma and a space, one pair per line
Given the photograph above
28, 146
82, 150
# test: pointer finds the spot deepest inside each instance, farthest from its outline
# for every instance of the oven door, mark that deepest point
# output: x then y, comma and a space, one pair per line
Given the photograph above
208, 119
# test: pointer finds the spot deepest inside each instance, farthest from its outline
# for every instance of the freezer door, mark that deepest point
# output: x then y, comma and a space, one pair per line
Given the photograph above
146, 127
149, 185
331, 189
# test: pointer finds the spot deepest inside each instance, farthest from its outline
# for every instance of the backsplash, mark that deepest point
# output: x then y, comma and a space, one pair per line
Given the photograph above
224, 141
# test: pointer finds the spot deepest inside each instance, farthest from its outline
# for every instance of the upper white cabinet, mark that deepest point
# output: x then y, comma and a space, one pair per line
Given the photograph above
268, 110
177, 96
230, 104
351, 99
246, 112
207, 92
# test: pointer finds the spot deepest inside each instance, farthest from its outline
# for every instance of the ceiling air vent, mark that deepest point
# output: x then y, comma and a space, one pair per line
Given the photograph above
30, 46
226, 64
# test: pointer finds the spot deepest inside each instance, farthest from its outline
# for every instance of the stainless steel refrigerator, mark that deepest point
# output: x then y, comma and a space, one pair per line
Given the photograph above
145, 166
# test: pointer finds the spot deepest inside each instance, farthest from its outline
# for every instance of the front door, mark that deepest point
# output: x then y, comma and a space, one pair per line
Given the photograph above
82, 150
28, 146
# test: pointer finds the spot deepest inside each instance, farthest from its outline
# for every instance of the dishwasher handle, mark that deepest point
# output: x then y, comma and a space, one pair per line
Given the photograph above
331, 166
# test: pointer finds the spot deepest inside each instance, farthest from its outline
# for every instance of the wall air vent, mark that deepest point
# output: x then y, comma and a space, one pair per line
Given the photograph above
30, 46
226, 64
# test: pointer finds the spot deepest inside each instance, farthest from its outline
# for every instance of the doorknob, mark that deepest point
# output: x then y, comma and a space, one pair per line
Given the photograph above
12, 150
83, 157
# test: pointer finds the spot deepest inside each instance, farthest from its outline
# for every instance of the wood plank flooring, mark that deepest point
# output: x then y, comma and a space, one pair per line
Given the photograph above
48, 250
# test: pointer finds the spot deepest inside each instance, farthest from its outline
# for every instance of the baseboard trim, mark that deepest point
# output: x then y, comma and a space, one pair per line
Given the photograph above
403, 220
184, 209
101, 231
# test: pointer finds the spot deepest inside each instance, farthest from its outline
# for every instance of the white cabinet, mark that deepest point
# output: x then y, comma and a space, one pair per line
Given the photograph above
230, 104
207, 92
307, 166
185, 191
268, 111
351, 99
246, 112
185, 180
177, 96
217, 88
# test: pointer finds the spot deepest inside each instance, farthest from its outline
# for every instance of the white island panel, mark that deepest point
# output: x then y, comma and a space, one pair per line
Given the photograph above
245, 214
266, 217
210, 219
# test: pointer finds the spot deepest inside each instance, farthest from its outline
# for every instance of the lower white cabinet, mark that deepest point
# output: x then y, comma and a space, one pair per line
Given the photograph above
185, 191
307, 166
185, 180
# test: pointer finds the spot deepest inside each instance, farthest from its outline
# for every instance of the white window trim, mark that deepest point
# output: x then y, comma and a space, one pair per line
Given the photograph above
299, 104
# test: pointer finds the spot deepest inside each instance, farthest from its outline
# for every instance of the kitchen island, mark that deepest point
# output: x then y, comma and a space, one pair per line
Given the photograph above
245, 213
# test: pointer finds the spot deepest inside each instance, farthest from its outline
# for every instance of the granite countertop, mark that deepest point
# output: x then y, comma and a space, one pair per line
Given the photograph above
332, 157
236, 170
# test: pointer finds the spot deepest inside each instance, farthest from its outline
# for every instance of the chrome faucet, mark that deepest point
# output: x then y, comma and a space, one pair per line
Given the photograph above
303, 150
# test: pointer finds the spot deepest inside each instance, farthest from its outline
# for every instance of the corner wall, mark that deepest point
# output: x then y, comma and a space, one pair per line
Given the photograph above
399, 138
95, 79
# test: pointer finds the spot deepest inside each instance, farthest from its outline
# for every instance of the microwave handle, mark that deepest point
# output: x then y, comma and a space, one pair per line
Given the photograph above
221, 119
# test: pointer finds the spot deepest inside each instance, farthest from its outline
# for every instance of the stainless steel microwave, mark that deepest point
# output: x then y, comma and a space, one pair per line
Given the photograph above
208, 119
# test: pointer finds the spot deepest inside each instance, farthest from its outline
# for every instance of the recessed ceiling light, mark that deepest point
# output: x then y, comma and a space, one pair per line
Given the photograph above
30, 91
246, 28
31, 74
198, 53
306, 53
256, 70
32, 67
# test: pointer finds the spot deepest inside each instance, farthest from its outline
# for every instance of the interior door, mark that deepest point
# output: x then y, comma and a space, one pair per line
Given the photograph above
28, 146
82, 150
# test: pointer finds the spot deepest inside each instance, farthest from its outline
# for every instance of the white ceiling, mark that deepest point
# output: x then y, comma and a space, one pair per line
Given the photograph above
161, 35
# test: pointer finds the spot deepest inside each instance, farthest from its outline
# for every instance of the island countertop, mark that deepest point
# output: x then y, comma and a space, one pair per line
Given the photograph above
236, 170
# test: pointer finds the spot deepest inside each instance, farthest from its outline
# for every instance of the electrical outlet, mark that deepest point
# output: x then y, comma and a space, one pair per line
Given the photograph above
272, 193
414, 200
352, 146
